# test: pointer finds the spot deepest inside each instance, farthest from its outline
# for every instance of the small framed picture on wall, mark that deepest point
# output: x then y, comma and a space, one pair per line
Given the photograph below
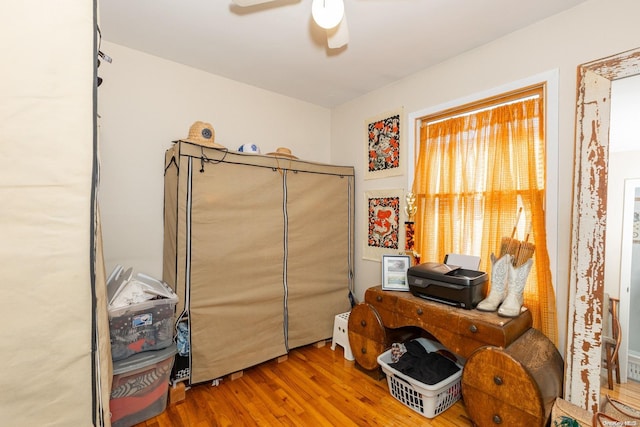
394, 272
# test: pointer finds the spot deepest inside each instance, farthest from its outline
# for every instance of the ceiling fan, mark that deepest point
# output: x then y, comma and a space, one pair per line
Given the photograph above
327, 14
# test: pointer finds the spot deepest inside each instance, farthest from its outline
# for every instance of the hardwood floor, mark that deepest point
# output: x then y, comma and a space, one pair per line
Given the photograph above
315, 386
629, 392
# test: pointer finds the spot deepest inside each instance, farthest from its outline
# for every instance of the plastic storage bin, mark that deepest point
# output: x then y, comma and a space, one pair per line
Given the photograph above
428, 400
140, 386
141, 326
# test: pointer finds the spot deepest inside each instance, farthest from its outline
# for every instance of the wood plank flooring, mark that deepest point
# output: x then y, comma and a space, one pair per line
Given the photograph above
629, 392
315, 386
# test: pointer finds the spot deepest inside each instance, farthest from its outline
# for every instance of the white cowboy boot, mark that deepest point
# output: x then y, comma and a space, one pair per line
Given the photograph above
499, 276
515, 292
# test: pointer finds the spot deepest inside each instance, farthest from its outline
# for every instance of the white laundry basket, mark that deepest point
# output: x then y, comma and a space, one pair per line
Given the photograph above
427, 400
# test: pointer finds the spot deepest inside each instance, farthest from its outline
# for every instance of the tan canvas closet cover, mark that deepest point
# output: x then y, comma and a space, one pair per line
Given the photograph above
259, 250
50, 355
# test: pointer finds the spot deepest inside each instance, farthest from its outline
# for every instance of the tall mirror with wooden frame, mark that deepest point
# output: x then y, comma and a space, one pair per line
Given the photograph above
586, 281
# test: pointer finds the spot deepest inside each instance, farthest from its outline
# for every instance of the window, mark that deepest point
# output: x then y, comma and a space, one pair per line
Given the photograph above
480, 179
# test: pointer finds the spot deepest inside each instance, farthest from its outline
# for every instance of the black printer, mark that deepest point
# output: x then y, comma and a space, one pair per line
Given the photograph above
448, 284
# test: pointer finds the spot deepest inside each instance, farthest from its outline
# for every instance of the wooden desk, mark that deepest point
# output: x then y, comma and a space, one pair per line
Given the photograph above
461, 331
513, 372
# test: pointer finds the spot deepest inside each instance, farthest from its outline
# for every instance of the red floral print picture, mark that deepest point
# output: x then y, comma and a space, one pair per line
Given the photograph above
384, 144
384, 214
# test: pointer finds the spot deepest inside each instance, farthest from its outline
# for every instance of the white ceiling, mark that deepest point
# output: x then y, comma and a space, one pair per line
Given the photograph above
276, 46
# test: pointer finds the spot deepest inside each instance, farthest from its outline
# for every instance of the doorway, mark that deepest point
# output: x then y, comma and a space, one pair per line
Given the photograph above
622, 256
630, 281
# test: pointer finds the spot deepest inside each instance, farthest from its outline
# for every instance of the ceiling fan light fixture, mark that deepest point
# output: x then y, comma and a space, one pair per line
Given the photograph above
327, 13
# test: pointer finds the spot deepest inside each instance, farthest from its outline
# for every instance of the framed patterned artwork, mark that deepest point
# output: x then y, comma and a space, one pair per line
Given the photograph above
384, 145
384, 223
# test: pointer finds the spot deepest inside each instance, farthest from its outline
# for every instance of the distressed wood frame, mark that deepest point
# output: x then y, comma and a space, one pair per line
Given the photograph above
586, 282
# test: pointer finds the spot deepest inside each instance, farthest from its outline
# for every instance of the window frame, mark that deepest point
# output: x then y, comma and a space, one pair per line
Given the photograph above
550, 79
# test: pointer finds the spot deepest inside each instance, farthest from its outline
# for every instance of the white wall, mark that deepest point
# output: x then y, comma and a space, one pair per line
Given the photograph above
593, 30
146, 102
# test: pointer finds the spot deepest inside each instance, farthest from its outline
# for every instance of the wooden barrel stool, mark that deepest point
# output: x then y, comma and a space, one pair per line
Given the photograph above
369, 338
367, 335
513, 386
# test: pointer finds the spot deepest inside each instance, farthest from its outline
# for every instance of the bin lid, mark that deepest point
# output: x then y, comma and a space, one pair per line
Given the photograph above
144, 359
124, 288
117, 280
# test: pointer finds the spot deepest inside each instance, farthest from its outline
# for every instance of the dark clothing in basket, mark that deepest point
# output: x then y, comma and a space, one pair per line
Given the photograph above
427, 367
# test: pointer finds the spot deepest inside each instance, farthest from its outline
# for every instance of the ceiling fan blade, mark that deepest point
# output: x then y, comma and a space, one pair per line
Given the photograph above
338, 36
246, 3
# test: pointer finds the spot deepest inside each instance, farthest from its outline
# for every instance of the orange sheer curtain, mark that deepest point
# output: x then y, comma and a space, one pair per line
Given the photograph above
473, 174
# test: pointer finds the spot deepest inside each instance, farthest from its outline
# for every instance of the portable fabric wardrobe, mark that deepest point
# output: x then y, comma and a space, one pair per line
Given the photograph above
55, 341
259, 250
